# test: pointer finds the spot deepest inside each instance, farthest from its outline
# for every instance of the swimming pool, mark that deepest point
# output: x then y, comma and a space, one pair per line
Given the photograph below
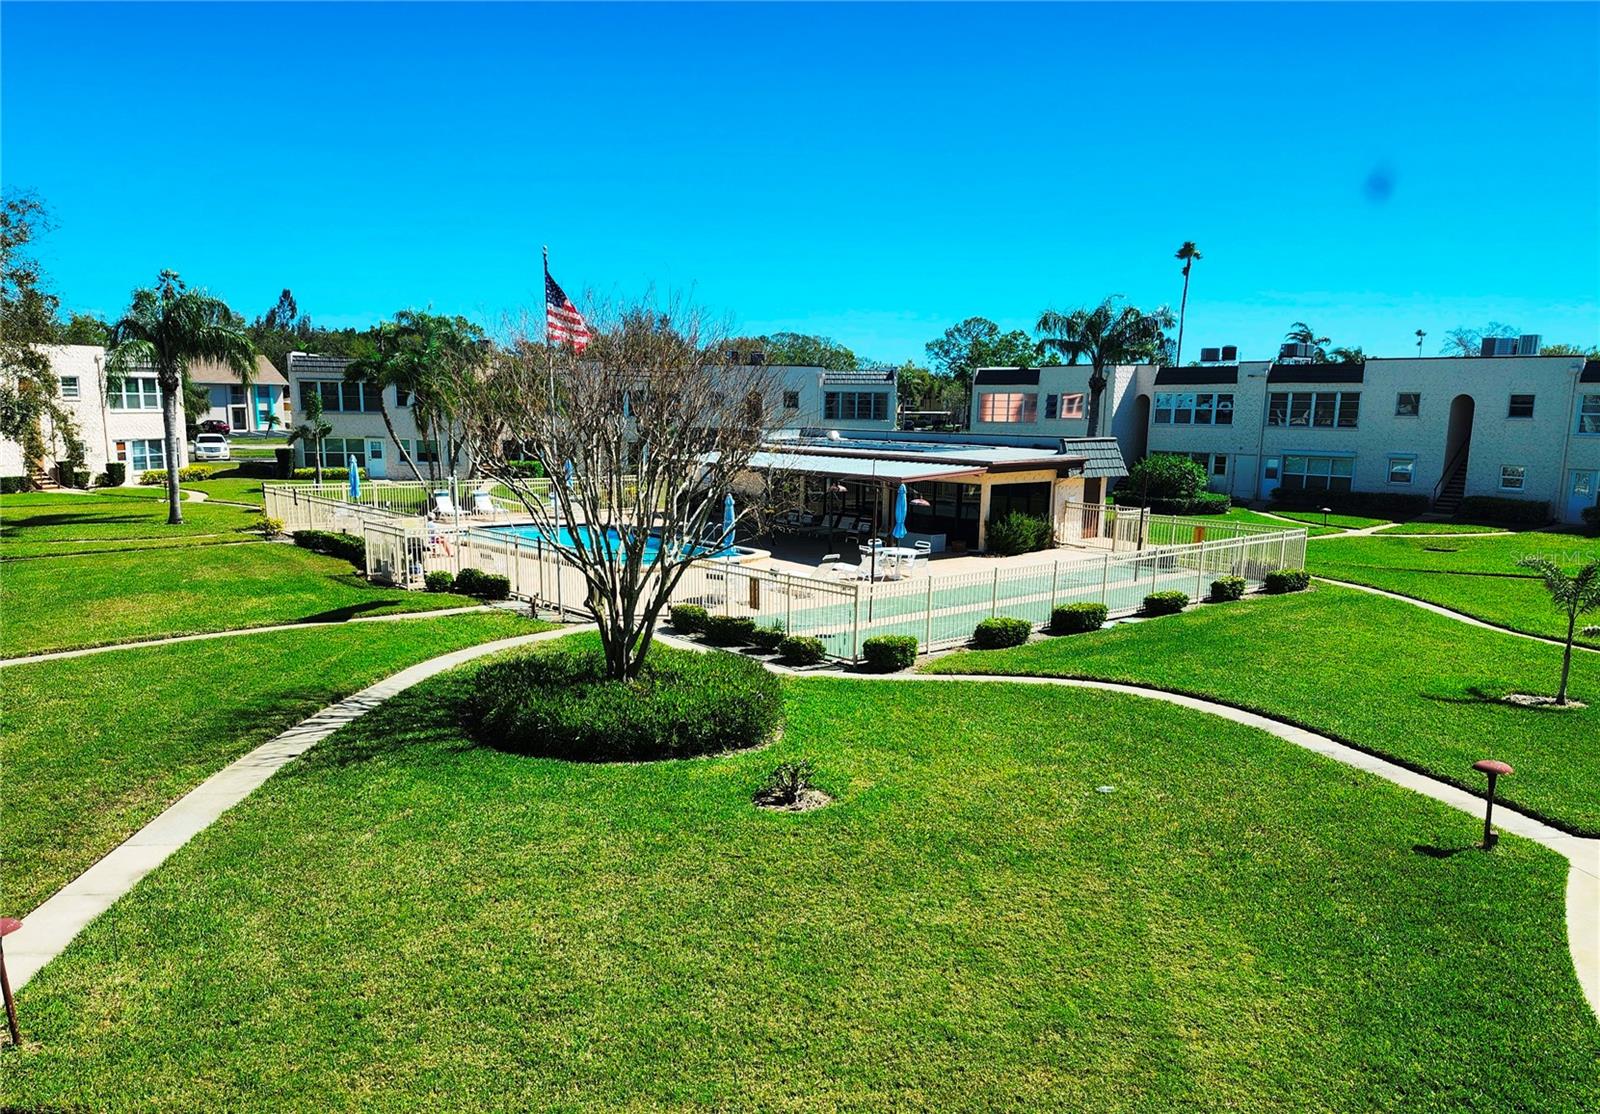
613, 541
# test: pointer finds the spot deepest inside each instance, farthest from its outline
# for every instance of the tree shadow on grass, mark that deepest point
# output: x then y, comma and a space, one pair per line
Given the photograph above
350, 611
425, 719
1474, 694
1435, 852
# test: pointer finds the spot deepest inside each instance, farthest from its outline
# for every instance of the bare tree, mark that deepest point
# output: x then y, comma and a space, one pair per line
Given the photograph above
643, 436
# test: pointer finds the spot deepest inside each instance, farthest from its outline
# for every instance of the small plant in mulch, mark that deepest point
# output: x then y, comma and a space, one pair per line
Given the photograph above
788, 788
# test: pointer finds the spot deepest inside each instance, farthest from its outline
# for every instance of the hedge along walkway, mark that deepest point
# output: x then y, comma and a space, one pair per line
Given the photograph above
56, 655
48, 930
1458, 616
1582, 855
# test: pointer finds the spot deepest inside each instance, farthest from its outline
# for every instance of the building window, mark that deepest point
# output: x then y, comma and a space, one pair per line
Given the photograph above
1215, 464
337, 452
1193, 408
1008, 407
856, 406
1063, 406
1317, 473
402, 397
1312, 409
1512, 477
791, 400
142, 456
134, 393
1401, 469
427, 452
340, 396
1407, 404
1589, 414
69, 387
1270, 469
1521, 406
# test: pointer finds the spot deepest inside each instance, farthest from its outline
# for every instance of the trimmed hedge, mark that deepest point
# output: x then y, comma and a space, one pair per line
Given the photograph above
728, 630
687, 618
345, 546
1077, 618
558, 703
283, 463
1165, 603
154, 477
889, 653
13, 485
483, 585
1018, 533
1227, 588
767, 639
523, 469
1287, 580
329, 475
439, 581
116, 473
1591, 518
999, 632
1496, 508
1369, 504
800, 650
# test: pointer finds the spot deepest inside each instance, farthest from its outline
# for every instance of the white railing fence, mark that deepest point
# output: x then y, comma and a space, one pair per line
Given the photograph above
940, 610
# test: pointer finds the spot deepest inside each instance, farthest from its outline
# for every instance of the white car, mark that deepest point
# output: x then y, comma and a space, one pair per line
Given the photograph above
211, 446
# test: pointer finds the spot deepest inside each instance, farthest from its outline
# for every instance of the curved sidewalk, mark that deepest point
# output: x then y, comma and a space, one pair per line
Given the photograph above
1458, 616
47, 931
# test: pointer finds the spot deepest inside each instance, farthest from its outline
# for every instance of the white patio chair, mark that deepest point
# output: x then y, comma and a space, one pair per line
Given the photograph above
481, 503
443, 505
833, 565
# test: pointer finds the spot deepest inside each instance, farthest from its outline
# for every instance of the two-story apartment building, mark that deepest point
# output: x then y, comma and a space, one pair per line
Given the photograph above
262, 407
816, 398
115, 425
1515, 426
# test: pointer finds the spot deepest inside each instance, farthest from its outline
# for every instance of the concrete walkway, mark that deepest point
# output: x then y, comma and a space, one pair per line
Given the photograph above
1582, 855
57, 655
1458, 616
47, 931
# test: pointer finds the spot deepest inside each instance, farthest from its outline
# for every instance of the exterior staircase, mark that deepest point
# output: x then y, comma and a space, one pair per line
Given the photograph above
40, 479
1448, 501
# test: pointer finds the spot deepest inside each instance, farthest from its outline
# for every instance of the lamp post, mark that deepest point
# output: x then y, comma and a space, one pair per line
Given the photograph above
1495, 770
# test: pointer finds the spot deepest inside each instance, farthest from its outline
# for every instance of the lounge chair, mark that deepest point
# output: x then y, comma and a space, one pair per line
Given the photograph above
482, 504
443, 505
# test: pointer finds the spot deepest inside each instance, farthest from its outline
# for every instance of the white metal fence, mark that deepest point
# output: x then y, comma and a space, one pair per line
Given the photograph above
939, 610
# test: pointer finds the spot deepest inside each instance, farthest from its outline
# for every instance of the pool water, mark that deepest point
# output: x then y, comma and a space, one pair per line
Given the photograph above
612, 543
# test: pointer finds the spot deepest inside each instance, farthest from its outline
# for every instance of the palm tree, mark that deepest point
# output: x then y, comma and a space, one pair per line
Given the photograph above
388, 361
1301, 333
1108, 334
1576, 594
313, 431
1188, 253
167, 328
1346, 355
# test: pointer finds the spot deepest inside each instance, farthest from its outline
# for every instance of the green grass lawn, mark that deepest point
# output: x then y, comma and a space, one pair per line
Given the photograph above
95, 747
228, 484
1334, 521
404, 920
1443, 528
47, 524
1389, 678
256, 449
1478, 576
127, 597
1255, 518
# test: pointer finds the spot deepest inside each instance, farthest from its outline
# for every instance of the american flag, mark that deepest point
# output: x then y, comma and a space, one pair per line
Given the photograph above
563, 324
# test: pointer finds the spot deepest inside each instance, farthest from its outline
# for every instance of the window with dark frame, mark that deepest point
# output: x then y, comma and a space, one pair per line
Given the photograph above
1407, 404
1521, 406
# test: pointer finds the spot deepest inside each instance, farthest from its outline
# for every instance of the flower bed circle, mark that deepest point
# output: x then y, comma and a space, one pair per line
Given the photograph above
558, 703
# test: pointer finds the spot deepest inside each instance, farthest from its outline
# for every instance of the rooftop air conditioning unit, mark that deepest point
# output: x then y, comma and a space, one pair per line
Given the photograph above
1230, 353
1295, 353
1528, 344
1210, 355
1499, 346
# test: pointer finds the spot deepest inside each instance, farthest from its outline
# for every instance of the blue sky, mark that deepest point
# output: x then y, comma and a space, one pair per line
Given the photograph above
871, 173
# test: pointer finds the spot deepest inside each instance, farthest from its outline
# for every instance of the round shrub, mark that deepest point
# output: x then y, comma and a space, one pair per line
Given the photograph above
439, 581
1162, 477
1591, 517
483, 585
1227, 588
1077, 618
889, 653
800, 650
767, 639
1287, 580
998, 633
1165, 603
467, 581
728, 630
1018, 533
688, 618
559, 704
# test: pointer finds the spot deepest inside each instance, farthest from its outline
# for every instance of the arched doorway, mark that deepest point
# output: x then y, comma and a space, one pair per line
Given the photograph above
1139, 443
1457, 448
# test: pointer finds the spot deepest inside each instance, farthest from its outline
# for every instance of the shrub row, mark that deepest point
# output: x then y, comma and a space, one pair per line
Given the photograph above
348, 547
559, 703
1591, 518
1017, 532
329, 475
729, 630
482, 585
116, 473
1496, 508
154, 477
13, 485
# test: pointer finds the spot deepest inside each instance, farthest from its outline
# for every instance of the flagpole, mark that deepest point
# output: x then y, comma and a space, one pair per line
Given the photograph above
550, 367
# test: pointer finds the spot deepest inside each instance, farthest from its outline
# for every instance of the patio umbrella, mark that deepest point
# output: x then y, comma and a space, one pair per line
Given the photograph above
355, 480
727, 519
898, 530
